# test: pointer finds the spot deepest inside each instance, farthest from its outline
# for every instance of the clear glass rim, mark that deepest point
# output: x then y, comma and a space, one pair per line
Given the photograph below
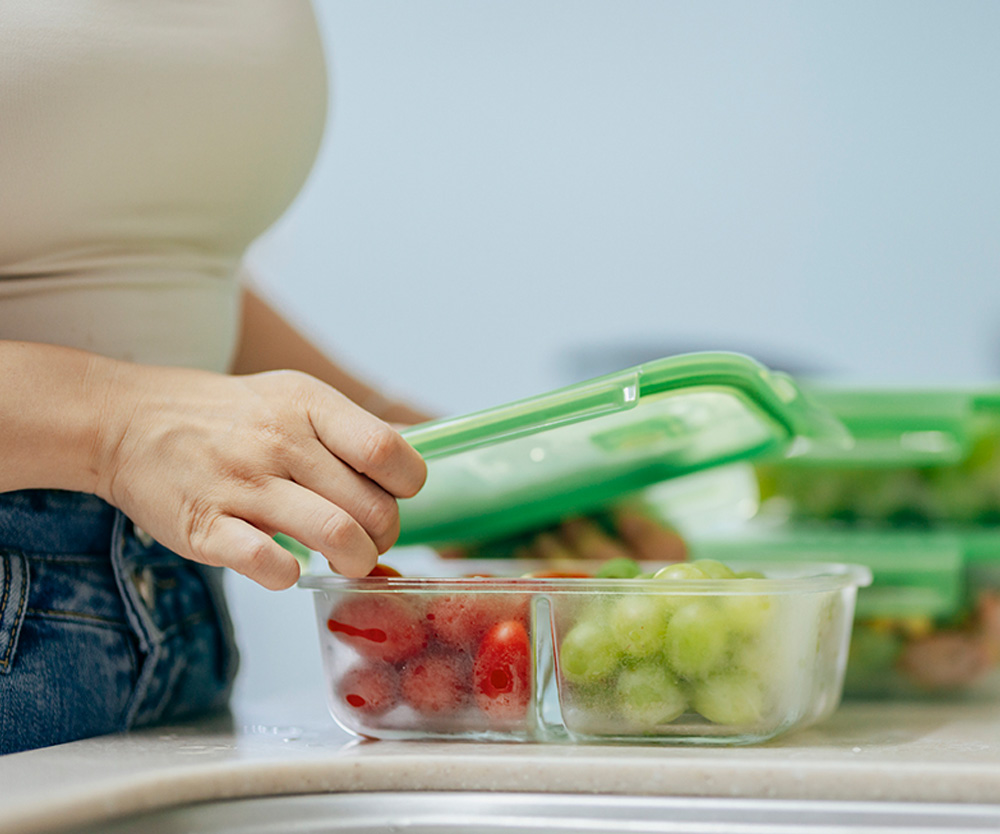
788, 578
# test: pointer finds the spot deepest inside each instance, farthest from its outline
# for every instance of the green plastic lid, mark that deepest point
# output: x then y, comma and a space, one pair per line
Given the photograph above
905, 427
530, 463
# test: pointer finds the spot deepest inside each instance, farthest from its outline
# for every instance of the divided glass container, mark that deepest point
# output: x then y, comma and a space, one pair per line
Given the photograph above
534, 658
709, 660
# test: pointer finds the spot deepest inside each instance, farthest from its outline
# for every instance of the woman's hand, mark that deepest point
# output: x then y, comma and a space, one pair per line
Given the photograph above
212, 466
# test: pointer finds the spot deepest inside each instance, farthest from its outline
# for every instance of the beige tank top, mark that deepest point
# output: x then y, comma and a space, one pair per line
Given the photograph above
143, 146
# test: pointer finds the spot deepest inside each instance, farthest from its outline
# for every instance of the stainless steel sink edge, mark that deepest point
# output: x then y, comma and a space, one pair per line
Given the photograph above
482, 812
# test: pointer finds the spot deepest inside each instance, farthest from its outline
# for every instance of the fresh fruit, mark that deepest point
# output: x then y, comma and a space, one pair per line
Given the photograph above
680, 571
435, 684
502, 672
379, 626
649, 695
642, 655
460, 620
369, 688
588, 653
733, 698
697, 639
637, 623
746, 614
713, 569
620, 568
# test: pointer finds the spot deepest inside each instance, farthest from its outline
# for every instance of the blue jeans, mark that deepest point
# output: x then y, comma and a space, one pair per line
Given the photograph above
101, 629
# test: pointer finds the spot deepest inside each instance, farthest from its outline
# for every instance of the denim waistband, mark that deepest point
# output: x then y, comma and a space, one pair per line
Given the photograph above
39, 516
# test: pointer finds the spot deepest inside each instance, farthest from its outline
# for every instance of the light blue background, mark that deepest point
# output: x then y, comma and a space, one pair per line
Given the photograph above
513, 196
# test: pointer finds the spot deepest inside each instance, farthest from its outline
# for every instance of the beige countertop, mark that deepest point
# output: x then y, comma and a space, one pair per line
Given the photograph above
865, 751
280, 741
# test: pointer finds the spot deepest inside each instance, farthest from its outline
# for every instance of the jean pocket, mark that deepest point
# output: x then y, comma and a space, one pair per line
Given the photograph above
13, 602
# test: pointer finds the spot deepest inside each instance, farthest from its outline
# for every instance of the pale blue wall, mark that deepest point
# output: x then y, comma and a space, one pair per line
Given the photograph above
504, 184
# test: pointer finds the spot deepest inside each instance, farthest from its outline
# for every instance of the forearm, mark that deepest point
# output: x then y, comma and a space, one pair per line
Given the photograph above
269, 342
53, 408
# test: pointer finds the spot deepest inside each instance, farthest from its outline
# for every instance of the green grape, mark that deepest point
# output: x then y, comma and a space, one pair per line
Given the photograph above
734, 698
760, 658
638, 623
747, 614
697, 639
748, 574
620, 568
588, 653
680, 570
648, 695
713, 569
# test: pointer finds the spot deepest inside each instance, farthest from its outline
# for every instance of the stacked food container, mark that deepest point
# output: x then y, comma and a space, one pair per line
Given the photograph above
916, 498
695, 652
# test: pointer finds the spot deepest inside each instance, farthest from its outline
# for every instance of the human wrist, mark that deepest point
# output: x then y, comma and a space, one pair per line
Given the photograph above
52, 407
113, 398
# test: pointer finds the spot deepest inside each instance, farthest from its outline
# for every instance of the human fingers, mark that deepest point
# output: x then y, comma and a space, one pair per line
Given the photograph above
317, 523
648, 539
586, 540
365, 443
238, 545
361, 498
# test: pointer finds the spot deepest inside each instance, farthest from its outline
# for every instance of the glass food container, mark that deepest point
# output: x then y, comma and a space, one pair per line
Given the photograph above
722, 660
734, 658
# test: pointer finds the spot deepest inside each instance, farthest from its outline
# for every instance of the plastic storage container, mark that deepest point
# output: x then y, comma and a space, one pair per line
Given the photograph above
695, 661
928, 626
916, 497
919, 457
392, 645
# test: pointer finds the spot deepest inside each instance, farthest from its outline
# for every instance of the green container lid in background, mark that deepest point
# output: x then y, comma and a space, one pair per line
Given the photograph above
927, 456
914, 574
527, 464
905, 427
